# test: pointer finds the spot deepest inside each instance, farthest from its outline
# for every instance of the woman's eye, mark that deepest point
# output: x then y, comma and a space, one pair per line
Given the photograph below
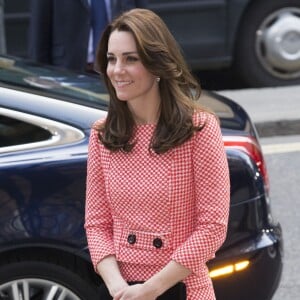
132, 58
111, 59
128, 59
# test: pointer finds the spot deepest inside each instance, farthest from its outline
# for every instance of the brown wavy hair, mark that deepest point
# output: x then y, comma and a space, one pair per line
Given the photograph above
160, 54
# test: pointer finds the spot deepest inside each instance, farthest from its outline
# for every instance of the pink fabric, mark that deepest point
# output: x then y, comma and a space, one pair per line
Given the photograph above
181, 197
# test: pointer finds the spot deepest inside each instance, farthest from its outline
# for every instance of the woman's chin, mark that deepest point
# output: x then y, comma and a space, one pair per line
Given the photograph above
122, 98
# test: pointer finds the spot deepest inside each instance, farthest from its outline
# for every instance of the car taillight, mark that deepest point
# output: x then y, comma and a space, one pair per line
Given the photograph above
251, 146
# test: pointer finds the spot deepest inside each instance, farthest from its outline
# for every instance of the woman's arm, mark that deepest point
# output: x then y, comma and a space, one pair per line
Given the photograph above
110, 273
212, 192
171, 274
98, 218
98, 221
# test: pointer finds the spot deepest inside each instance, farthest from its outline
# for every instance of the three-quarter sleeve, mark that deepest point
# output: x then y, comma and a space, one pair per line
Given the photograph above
212, 194
98, 218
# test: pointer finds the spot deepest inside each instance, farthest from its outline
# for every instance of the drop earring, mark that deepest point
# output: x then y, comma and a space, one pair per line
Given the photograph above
158, 79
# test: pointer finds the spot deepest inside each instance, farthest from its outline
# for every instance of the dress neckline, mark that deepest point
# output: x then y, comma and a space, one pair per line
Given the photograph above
148, 125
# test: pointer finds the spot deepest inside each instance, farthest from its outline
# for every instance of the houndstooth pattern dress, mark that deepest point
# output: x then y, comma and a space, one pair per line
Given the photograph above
147, 208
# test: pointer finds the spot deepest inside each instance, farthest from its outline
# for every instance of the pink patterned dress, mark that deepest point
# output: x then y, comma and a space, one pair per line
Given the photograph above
147, 208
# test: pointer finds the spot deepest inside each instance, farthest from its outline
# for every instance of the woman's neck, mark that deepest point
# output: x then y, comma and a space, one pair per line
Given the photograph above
145, 112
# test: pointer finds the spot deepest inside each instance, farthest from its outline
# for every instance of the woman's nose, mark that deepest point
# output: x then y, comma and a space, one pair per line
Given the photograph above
119, 67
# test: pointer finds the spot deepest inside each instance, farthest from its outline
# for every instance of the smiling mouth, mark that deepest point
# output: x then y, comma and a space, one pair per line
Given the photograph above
123, 83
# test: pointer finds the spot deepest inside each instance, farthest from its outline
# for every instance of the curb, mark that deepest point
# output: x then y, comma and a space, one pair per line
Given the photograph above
278, 128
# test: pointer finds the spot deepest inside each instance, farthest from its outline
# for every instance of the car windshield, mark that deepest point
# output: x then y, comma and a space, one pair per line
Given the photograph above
52, 82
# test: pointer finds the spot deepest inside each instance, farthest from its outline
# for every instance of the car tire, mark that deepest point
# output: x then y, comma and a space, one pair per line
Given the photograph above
267, 49
43, 280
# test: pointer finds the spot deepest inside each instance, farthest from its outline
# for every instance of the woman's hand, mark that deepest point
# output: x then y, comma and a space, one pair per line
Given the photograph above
136, 292
116, 287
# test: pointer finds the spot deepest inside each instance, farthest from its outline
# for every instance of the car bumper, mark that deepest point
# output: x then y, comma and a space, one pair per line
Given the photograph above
261, 278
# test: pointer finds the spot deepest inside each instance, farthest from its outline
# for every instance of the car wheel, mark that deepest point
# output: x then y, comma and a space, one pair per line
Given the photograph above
268, 44
28, 280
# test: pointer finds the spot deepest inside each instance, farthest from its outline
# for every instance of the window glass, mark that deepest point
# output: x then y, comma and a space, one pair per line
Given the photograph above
15, 132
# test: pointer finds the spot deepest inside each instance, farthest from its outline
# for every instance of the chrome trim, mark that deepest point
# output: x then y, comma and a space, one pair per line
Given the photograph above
62, 134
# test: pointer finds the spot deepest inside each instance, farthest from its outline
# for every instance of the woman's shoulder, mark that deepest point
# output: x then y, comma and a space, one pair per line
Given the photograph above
96, 129
99, 124
203, 117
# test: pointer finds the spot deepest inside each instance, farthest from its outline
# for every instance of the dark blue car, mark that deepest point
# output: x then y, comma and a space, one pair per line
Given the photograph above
45, 120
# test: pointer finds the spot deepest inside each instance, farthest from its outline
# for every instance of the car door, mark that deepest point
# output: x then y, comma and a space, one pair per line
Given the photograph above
198, 25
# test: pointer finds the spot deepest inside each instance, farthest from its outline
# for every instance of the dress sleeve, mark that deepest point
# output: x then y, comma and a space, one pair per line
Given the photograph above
212, 192
98, 218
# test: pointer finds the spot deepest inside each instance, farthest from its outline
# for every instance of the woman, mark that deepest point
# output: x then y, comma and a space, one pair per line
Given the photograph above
158, 183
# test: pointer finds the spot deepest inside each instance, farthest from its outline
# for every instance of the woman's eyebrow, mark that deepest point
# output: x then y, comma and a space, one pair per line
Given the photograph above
129, 52
124, 53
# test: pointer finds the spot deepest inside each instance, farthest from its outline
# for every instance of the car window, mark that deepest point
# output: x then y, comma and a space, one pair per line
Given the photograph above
15, 132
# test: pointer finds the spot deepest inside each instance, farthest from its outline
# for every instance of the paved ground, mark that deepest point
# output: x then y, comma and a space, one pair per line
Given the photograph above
275, 111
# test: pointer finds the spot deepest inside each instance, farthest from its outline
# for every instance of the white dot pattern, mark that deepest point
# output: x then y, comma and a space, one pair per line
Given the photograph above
180, 198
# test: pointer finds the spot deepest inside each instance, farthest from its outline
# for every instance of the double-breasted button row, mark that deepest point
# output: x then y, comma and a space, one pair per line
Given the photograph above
131, 239
157, 242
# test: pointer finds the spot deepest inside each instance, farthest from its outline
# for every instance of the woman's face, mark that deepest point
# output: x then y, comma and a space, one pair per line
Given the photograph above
129, 77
